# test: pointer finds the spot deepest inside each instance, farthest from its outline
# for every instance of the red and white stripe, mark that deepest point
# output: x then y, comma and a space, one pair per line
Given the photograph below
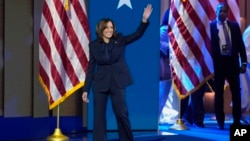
190, 47
63, 48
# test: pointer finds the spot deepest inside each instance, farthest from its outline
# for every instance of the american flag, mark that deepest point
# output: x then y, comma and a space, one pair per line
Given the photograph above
63, 48
189, 35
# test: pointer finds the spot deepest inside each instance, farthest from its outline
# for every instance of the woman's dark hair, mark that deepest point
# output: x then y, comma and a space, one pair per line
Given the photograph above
102, 24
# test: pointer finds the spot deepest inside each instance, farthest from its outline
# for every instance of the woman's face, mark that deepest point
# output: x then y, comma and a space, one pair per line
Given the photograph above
108, 31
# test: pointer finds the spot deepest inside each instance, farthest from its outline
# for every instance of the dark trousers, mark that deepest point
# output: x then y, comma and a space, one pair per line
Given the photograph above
231, 74
117, 96
193, 111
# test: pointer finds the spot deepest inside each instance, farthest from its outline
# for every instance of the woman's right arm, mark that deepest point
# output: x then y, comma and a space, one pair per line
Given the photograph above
89, 75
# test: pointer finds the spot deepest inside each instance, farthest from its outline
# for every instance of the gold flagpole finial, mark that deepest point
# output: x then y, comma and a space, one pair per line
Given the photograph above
67, 5
183, 0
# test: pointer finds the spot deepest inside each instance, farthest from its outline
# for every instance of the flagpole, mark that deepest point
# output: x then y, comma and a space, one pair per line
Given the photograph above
179, 125
57, 135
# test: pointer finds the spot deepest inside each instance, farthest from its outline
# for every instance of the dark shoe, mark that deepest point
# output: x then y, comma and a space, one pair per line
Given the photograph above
220, 126
244, 116
236, 123
199, 125
187, 122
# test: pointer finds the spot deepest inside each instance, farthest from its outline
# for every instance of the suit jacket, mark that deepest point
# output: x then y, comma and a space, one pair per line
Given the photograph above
238, 47
101, 72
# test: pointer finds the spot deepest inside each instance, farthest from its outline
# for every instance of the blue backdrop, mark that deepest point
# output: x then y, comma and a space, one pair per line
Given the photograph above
142, 57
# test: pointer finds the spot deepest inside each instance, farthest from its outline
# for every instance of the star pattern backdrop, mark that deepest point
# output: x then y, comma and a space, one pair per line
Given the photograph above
142, 57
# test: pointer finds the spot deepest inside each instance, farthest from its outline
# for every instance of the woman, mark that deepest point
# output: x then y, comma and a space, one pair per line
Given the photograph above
109, 74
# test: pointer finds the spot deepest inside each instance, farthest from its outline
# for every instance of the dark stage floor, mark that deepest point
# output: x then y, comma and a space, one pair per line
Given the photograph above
169, 132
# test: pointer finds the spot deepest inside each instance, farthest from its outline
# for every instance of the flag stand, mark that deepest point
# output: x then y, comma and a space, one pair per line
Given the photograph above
179, 125
57, 135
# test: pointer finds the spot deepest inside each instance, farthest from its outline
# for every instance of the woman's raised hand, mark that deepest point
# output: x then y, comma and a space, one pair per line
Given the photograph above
147, 12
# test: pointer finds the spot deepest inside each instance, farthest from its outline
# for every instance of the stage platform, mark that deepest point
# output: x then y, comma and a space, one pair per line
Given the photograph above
165, 133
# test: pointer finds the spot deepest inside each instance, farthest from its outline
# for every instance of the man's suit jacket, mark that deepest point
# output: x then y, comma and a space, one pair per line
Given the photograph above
238, 47
101, 72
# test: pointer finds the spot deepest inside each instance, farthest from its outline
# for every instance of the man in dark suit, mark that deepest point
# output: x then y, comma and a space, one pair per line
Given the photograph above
229, 59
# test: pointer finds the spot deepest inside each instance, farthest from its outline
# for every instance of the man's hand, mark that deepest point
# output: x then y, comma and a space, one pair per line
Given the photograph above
243, 68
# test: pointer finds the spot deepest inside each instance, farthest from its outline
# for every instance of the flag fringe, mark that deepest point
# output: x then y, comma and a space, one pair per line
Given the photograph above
182, 96
63, 98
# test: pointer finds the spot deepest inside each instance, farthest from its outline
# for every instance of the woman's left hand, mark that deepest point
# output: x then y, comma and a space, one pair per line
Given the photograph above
147, 12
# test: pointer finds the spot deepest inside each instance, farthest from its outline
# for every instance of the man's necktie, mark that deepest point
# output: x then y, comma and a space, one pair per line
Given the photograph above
106, 52
228, 48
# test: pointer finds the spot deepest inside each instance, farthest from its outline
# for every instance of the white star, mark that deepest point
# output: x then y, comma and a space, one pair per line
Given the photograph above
124, 2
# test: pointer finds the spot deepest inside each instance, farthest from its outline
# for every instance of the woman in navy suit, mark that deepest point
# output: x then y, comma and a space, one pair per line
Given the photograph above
229, 59
109, 74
